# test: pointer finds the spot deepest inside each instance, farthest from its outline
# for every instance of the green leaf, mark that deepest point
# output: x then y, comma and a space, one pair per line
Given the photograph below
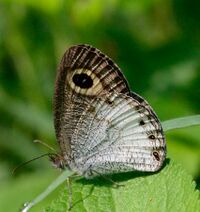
171, 189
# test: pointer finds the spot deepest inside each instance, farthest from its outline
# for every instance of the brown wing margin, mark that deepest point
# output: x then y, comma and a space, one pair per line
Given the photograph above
88, 57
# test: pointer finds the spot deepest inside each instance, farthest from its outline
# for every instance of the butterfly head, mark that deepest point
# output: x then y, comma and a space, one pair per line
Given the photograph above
57, 161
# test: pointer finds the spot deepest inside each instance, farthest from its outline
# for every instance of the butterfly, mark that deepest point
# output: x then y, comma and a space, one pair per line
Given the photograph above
101, 126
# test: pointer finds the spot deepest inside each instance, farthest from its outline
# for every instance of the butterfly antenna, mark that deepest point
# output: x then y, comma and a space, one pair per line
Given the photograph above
45, 144
24, 163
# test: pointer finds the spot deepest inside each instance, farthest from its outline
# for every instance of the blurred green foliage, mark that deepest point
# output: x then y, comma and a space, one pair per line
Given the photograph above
156, 43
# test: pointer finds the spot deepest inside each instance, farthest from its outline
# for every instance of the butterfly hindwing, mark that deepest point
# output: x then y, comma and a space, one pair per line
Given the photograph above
122, 135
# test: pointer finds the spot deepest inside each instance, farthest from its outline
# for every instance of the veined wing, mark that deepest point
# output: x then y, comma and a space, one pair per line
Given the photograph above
116, 134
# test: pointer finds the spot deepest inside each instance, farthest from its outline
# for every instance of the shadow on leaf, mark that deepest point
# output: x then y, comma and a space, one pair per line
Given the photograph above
114, 179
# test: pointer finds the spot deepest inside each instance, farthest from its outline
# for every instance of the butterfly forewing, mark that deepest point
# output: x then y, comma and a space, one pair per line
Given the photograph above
84, 73
100, 125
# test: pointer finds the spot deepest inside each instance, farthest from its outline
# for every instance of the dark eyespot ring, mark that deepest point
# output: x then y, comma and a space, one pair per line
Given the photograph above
82, 80
152, 137
109, 102
156, 155
142, 122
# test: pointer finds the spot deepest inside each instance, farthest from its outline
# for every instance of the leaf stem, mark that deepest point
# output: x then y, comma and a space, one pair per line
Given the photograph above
49, 189
177, 123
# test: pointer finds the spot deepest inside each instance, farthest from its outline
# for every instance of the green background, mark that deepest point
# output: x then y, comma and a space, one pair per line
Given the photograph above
156, 43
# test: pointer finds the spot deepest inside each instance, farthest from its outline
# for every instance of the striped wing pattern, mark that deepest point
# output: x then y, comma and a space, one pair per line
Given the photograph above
118, 137
101, 126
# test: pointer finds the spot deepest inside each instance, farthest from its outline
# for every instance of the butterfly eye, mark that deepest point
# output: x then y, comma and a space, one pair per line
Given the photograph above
156, 155
82, 80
